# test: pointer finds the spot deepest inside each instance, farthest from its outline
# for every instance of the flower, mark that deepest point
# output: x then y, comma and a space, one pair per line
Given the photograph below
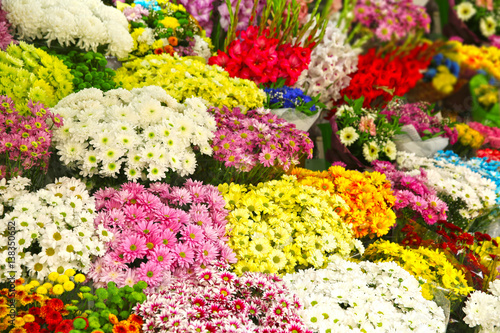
86, 25
269, 232
475, 315
487, 26
370, 151
348, 136
465, 11
348, 296
137, 134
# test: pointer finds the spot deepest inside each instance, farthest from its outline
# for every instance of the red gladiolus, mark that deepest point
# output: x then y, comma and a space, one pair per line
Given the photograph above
260, 59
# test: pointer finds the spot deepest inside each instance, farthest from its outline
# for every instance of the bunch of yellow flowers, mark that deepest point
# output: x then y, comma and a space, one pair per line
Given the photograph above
485, 57
468, 136
280, 226
487, 95
368, 195
59, 284
183, 78
431, 265
489, 252
29, 73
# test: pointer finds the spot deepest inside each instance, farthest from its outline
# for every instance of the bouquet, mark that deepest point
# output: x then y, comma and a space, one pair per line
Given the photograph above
258, 57
371, 297
425, 264
380, 77
54, 228
468, 194
491, 134
481, 17
183, 78
219, 301
419, 115
159, 231
166, 27
29, 73
5, 35
281, 225
400, 18
366, 132
476, 314
443, 73
477, 58
293, 98
84, 24
332, 61
368, 196
143, 134
255, 145
468, 140
88, 69
26, 139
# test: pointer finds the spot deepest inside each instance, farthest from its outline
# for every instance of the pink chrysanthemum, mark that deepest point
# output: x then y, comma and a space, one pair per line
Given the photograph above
150, 272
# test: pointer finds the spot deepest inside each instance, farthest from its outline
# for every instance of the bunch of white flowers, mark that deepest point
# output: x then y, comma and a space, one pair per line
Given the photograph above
54, 229
471, 193
84, 23
482, 309
140, 131
364, 297
332, 61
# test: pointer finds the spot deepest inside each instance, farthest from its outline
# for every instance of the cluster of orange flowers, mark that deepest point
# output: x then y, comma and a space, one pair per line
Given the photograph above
133, 324
368, 194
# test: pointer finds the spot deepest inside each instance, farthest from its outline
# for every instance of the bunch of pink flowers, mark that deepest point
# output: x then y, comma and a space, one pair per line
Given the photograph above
392, 18
418, 115
5, 35
219, 301
491, 134
160, 232
414, 199
25, 139
257, 137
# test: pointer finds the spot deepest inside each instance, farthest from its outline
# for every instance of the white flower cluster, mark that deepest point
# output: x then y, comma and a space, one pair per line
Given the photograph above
201, 48
482, 309
9, 190
139, 131
55, 229
458, 182
84, 23
364, 297
332, 61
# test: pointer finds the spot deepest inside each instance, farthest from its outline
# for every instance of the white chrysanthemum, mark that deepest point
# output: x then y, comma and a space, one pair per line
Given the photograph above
488, 26
481, 309
201, 48
138, 131
370, 151
87, 24
348, 136
465, 11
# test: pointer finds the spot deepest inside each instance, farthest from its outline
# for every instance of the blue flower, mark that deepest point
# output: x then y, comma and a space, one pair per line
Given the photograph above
438, 58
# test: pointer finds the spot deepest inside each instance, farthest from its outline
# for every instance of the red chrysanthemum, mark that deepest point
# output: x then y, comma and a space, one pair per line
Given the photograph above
53, 318
56, 304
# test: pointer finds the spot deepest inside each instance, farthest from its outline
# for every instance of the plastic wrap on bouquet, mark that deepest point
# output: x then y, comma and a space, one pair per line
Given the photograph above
113, 63
411, 142
302, 121
339, 153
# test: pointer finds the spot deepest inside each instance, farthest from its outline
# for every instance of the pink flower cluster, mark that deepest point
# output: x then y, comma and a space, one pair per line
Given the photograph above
417, 114
413, 198
25, 138
366, 124
491, 134
135, 13
160, 231
5, 36
392, 18
257, 137
219, 301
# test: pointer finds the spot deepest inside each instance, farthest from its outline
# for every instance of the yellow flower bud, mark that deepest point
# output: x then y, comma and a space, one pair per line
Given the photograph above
70, 272
62, 279
41, 290
29, 318
34, 283
68, 285
79, 278
58, 289
53, 276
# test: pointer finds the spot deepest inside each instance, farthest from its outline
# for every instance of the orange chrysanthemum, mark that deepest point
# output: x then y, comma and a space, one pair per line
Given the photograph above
113, 319
121, 327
